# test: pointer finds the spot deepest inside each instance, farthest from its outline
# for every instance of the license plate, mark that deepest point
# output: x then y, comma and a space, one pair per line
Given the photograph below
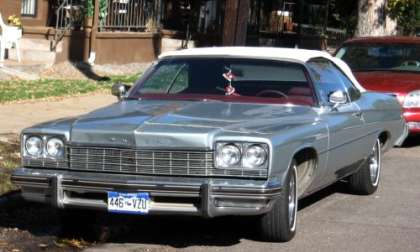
134, 203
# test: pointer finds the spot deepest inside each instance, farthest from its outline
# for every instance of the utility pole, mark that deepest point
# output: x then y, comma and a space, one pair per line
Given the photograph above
235, 22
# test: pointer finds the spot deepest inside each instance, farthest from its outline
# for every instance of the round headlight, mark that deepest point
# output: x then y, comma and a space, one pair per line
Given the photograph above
55, 147
255, 156
412, 100
33, 146
228, 156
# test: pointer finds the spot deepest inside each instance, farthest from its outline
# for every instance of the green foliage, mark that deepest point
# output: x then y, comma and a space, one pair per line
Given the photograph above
407, 14
90, 7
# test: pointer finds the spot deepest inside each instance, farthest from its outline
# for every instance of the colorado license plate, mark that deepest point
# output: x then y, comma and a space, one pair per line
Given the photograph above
134, 203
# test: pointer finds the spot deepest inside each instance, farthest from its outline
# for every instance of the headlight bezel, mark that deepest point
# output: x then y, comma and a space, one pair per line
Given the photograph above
45, 138
219, 151
243, 146
245, 159
409, 103
60, 153
28, 152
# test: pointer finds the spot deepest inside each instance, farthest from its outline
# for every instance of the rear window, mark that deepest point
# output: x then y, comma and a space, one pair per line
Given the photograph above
377, 56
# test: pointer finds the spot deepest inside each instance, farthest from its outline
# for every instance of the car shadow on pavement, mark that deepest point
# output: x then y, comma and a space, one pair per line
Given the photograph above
42, 222
178, 231
24, 226
184, 231
338, 187
15, 212
411, 142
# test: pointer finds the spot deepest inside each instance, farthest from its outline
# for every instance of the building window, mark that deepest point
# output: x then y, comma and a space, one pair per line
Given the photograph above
28, 8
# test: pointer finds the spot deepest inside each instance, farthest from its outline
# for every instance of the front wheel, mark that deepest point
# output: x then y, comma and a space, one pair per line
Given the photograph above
279, 225
366, 180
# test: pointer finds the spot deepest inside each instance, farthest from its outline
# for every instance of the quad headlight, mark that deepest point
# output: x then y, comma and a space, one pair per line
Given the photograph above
254, 156
412, 100
55, 147
241, 155
34, 146
43, 147
228, 155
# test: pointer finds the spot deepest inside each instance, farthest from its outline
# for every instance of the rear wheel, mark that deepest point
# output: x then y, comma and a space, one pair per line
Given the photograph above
279, 225
366, 180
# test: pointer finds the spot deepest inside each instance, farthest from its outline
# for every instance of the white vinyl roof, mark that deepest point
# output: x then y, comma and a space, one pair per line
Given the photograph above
288, 54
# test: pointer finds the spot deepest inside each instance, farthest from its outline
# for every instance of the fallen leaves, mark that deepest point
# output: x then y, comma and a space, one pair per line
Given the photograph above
74, 243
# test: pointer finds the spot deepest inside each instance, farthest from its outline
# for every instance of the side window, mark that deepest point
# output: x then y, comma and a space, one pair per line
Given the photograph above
328, 78
354, 93
168, 78
180, 83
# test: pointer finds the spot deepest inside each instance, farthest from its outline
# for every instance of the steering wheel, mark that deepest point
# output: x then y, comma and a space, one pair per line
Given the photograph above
411, 63
266, 93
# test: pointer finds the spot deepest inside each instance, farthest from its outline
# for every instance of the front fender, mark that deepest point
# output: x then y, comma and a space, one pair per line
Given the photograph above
287, 144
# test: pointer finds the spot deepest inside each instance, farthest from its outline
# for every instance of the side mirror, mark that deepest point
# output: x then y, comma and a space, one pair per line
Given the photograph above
337, 98
120, 90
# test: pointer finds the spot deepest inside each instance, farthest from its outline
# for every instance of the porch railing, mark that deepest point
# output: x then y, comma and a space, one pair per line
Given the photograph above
69, 14
333, 33
130, 15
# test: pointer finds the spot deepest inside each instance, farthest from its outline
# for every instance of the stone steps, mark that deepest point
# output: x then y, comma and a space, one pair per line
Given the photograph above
35, 50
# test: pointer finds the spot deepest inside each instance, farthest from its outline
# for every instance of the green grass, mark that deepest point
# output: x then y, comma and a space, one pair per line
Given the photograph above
28, 90
122, 78
9, 160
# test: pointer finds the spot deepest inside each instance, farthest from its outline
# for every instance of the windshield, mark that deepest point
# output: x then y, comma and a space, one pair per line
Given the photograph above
226, 79
387, 57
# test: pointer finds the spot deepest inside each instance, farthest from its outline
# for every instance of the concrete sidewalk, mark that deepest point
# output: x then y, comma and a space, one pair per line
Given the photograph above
16, 116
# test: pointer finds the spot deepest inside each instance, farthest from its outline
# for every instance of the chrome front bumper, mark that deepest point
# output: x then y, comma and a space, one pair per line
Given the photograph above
170, 195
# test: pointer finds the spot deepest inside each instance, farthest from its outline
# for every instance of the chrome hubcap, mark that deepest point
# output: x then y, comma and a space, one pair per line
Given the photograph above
375, 164
292, 200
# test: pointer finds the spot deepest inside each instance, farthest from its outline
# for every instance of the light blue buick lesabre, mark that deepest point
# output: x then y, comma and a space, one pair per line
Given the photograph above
214, 132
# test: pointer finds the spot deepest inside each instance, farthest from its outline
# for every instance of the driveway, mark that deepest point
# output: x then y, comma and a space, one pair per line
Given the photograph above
16, 116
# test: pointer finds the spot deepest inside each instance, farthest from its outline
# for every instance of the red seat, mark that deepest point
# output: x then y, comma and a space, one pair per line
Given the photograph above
303, 94
301, 91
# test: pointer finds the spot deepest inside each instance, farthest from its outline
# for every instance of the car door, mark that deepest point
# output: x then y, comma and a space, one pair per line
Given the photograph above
345, 122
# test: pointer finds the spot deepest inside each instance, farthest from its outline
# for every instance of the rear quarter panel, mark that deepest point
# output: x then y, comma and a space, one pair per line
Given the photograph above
382, 113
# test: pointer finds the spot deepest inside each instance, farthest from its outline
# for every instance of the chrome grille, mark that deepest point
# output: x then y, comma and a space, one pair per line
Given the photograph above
45, 162
152, 162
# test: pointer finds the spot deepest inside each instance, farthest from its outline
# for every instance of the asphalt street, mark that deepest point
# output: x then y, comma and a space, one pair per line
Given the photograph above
331, 220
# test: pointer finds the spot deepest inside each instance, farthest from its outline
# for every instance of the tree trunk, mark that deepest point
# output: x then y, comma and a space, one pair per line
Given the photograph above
372, 19
235, 22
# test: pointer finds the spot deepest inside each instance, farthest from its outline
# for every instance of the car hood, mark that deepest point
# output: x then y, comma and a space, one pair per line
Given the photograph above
389, 81
187, 124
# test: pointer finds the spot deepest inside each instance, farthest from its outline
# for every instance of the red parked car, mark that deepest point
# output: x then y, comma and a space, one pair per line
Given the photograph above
389, 65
